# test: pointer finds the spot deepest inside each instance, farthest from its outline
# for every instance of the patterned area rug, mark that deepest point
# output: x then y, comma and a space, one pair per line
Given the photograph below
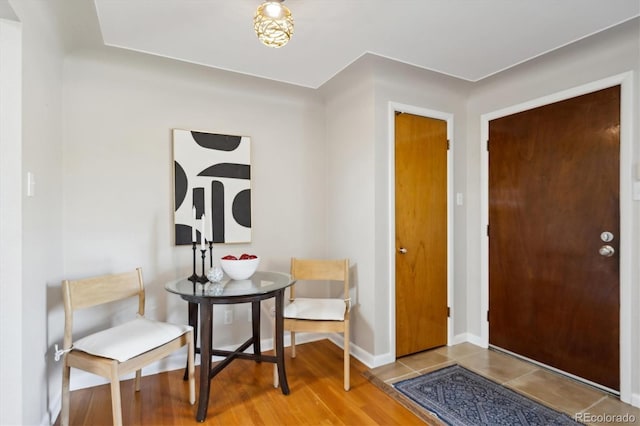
459, 397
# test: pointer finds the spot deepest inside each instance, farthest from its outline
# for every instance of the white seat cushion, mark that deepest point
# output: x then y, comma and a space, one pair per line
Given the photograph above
316, 309
130, 339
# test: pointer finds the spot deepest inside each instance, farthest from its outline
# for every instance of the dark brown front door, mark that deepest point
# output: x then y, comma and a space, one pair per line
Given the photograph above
553, 191
421, 233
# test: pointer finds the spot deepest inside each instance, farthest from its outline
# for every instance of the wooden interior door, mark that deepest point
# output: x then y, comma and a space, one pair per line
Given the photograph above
421, 233
553, 190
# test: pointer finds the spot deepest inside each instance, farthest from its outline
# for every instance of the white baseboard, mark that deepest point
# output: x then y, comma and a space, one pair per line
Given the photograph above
469, 338
635, 399
371, 361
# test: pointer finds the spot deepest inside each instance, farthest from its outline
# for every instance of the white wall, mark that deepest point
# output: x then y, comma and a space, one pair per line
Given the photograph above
41, 257
359, 178
350, 192
120, 108
10, 217
606, 54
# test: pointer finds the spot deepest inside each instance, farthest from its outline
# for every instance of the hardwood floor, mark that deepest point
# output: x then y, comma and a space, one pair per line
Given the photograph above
243, 394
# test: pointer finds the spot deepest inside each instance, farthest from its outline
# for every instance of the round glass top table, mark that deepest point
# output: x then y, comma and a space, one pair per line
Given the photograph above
201, 297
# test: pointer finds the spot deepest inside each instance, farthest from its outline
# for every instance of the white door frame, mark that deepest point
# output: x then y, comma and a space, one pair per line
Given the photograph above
625, 80
448, 117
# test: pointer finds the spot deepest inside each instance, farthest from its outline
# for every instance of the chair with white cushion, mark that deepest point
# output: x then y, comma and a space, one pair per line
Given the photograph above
319, 315
121, 349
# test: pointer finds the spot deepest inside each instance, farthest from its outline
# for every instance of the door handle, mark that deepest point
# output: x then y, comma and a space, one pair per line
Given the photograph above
606, 250
402, 250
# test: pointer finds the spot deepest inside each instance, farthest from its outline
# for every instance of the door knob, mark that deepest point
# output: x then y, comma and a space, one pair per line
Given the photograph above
606, 250
402, 250
606, 236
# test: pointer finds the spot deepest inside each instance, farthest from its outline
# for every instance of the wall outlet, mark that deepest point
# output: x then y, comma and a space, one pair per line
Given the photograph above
228, 317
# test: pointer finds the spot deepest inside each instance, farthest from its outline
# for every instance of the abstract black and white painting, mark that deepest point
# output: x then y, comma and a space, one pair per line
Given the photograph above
212, 178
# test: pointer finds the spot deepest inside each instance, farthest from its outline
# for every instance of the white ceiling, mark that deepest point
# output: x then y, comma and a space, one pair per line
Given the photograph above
468, 39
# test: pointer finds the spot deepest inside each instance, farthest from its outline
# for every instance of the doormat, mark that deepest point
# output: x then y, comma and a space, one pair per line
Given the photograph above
459, 397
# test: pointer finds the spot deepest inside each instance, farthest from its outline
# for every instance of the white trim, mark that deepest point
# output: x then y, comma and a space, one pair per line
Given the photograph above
625, 80
355, 351
448, 117
635, 399
468, 338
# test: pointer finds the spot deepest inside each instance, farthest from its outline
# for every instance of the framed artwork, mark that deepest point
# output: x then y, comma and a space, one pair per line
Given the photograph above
212, 181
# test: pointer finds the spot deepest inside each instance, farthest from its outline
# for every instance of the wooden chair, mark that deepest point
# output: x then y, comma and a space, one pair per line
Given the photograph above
319, 315
121, 349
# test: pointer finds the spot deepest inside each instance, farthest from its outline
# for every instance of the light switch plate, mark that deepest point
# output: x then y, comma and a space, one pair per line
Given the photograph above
636, 191
31, 185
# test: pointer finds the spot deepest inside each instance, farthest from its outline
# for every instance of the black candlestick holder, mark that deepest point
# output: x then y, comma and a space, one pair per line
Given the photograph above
203, 278
210, 254
194, 276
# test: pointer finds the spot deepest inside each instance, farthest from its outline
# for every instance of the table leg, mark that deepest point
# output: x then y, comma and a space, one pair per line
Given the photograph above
255, 321
282, 375
206, 318
193, 322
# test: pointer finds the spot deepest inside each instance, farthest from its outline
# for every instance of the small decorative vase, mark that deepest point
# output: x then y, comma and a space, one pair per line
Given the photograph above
215, 275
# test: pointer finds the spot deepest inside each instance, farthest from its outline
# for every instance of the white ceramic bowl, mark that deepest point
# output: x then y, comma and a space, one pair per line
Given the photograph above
239, 269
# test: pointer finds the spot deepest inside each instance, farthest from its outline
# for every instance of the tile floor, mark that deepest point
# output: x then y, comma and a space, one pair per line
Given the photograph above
583, 402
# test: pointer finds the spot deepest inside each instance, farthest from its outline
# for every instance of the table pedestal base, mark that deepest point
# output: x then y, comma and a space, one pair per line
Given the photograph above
207, 351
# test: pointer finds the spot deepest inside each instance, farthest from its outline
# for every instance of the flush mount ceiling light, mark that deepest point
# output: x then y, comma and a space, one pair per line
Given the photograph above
273, 23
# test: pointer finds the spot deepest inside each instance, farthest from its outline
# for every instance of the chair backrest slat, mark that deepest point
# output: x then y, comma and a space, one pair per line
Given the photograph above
321, 270
84, 293
94, 291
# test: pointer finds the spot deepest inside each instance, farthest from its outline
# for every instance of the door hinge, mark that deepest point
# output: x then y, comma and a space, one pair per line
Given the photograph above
487, 144
448, 312
448, 145
487, 316
487, 230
